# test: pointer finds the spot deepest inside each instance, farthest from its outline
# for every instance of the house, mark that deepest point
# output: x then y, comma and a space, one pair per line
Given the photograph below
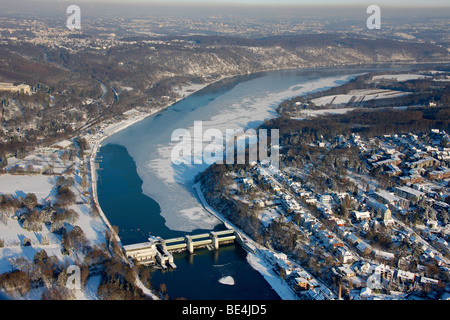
409, 193
384, 255
364, 225
325, 198
311, 200
413, 178
300, 283
386, 197
365, 268
361, 215
24, 88
333, 243
387, 162
393, 171
345, 256
283, 267
342, 231
405, 276
303, 274
346, 272
364, 247
384, 271
63, 144
377, 206
351, 238
439, 174
313, 283
424, 163
425, 280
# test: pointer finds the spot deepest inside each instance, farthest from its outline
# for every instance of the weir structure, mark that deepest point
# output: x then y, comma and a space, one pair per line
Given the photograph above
158, 250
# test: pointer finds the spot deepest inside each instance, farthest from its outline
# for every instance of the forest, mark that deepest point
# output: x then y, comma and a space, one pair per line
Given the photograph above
366, 122
419, 92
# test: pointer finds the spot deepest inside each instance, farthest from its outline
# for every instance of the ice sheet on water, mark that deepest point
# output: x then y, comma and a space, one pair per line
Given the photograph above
228, 280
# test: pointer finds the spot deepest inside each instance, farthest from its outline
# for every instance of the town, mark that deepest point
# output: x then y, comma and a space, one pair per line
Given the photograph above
385, 239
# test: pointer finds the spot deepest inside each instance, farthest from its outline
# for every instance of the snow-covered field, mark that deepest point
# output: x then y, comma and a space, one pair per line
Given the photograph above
357, 96
12, 232
20, 185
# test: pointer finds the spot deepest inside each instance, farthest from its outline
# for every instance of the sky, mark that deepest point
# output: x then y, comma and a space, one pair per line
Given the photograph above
323, 2
299, 2
406, 3
304, 8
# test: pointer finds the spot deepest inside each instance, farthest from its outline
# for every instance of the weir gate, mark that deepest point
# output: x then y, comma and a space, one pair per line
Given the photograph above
158, 250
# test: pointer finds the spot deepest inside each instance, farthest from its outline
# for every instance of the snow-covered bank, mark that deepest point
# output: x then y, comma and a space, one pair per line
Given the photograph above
279, 285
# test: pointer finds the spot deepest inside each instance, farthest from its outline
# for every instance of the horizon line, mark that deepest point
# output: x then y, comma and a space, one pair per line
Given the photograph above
234, 3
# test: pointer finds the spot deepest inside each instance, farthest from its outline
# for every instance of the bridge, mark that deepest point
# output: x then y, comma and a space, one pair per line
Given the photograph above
160, 250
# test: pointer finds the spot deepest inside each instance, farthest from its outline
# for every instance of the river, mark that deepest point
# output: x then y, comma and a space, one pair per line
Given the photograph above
142, 192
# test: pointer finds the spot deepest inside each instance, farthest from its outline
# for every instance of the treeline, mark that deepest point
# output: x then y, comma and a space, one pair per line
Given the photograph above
366, 122
45, 271
366, 46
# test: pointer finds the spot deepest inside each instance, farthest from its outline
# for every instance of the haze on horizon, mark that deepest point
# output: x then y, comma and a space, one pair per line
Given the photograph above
252, 8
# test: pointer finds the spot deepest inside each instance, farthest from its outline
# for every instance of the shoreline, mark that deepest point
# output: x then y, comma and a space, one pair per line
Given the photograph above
257, 260
95, 144
256, 254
